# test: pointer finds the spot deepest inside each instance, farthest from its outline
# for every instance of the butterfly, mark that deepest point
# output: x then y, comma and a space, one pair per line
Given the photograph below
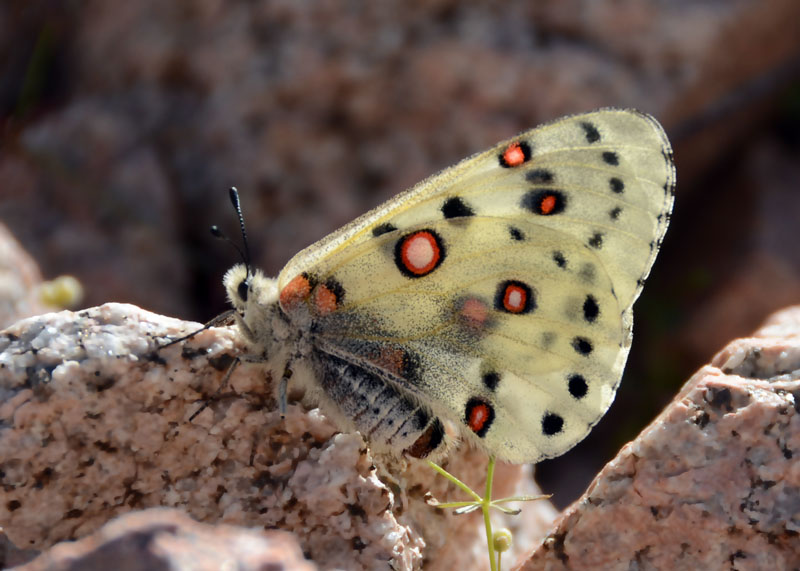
493, 299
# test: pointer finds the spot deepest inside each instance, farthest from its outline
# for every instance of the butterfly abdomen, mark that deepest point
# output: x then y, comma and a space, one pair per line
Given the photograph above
387, 417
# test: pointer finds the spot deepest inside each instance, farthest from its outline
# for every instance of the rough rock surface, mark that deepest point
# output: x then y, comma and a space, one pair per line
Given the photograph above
123, 126
95, 425
161, 539
712, 483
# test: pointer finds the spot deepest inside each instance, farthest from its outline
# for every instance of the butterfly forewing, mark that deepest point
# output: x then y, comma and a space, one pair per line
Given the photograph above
497, 294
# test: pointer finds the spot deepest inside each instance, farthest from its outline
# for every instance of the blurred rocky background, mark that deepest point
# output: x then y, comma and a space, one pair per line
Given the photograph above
123, 124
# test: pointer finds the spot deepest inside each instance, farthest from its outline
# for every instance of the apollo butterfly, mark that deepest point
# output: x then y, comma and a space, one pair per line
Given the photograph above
495, 296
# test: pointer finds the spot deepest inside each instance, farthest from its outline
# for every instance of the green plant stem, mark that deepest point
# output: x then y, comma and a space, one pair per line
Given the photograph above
485, 505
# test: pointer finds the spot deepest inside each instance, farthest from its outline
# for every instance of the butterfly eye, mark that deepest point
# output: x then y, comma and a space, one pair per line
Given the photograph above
242, 290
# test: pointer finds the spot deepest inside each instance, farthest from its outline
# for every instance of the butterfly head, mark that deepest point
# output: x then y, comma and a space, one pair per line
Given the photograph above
240, 283
254, 296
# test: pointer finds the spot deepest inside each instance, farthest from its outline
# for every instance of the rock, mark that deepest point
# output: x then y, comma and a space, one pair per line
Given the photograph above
97, 425
161, 538
712, 483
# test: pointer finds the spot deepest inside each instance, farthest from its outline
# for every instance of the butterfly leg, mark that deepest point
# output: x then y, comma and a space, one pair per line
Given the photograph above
223, 317
282, 388
283, 385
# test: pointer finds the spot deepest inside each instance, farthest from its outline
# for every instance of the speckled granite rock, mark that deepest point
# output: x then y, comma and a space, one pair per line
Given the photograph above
712, 483
96, 425
164, 539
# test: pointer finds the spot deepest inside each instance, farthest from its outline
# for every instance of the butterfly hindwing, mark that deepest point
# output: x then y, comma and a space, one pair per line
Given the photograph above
497, 294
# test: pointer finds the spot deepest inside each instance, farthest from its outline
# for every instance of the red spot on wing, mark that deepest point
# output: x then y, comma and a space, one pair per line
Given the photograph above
547, 204
420, 253
514, 155
514, 296
479, 415
295, 292
515, 299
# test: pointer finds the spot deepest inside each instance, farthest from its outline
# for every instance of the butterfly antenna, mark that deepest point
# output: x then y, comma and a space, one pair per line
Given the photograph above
217, 233
234, 195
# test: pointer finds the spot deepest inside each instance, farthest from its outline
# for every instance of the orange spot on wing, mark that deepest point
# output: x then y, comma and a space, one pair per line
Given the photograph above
474, 313
325, 301
296, 291
514, 155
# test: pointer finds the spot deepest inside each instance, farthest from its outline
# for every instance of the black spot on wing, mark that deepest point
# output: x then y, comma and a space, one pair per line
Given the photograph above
336, 289
616, 185
383, 229
456, 208
591, 132
539, 176
491, 380
611, 158
552, 424
577, 385
590, 309
582, 346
